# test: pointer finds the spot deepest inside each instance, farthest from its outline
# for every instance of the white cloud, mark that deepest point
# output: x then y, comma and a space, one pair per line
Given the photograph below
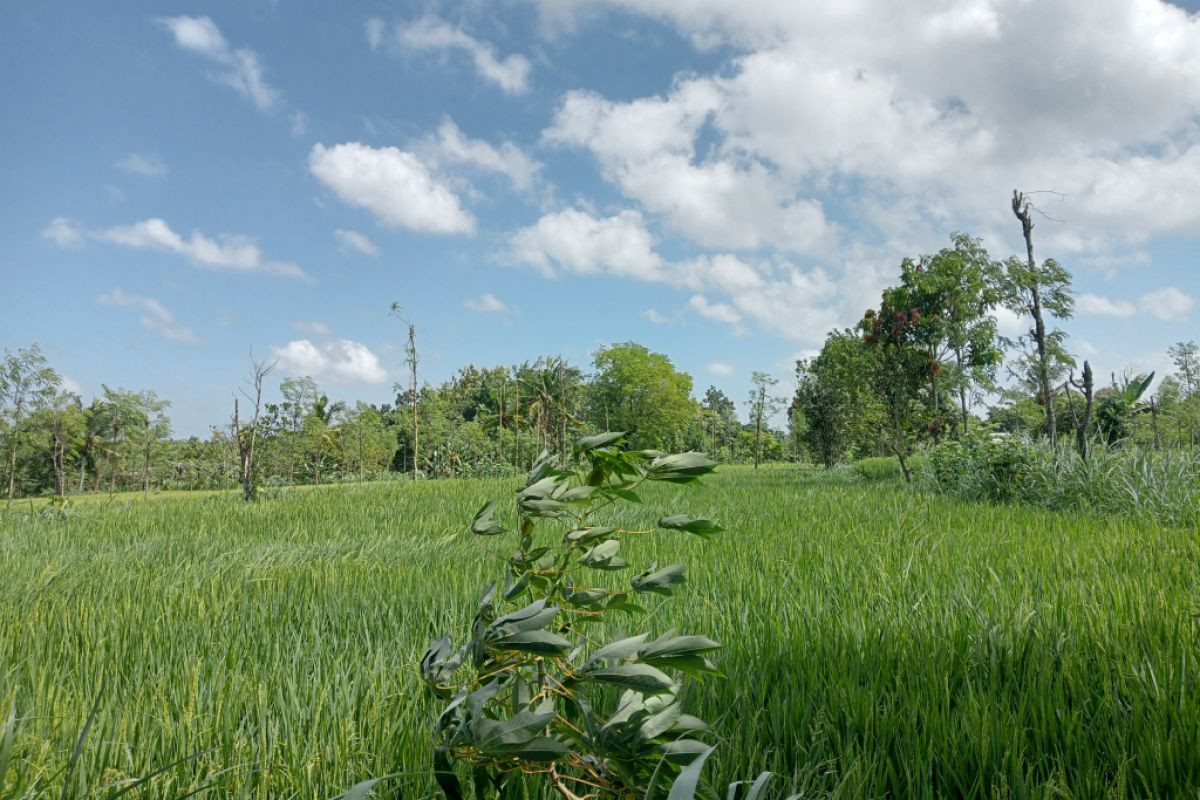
779, 296
353, 240
146, 165
241, 71
64, 232
312, 327
155, 318
431, 34
337, 361
652, 316
833, 102
392, 184
487, 303
720, 369
1102, 306
239, 253
648, 147
717, 312
298, 122
451, 146
1167, 304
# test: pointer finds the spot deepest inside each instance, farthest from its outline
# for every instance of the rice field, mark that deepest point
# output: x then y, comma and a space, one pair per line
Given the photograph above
879, 642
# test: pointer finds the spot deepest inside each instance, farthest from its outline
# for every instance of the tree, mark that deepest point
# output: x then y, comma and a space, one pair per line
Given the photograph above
828, 386
722, 422
27, 383
762, 407
1118, 405
247, 439
410, 359
298, 397
896, 369
639, 391
955, 290
318, 425
1033, 291
1186, 356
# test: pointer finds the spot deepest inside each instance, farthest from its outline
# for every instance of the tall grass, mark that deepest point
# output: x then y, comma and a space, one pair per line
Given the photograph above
1163, 486
879, 642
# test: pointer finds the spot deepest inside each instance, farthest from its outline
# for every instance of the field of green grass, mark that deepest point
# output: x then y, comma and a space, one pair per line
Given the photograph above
879, 642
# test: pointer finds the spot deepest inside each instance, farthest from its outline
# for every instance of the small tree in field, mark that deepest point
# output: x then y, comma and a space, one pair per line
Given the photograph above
529, 694
27, 383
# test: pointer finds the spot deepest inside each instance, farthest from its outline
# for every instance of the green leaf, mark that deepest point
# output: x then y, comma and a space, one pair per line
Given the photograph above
668, 646
512, 733
579, 493
686, 751
483, 524
543, 748
443, 772
534, 616
659, 581
540, 642
589, 443
680, 467
686, 522
614, 651
639, 677
604, 556
583, 535
684, 787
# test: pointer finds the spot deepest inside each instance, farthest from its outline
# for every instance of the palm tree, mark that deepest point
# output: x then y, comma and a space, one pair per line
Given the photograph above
320, 422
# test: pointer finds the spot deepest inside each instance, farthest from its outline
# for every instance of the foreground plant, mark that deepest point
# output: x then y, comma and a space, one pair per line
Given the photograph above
532, 694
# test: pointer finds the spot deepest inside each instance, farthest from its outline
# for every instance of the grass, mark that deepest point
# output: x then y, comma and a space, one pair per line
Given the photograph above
880, 642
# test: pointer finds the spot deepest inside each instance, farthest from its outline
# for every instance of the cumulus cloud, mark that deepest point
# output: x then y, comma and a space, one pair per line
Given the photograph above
353, 240
777, 295
337, 361
393, 184
298, 123
450, 146
1168, 304
720, 369
225, 252
64, 232
654, 317
155, 318
1101, 306
240, 70
147, 165
830, 104
431, 34
487, 303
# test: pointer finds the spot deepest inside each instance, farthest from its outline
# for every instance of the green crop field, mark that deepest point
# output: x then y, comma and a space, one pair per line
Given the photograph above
878, 642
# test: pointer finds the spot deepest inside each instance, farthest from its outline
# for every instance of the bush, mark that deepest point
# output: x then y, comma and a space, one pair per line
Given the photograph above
887, 468
1001, 468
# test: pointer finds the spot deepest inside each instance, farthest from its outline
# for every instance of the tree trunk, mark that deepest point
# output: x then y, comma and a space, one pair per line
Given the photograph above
962, 391
762, 399
1021, 210
12, 461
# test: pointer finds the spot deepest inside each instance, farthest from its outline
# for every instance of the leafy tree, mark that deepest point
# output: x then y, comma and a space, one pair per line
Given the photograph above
721, 421
1186, 356
318, 426
763, 406
1115, 408
640, 391
832, 397
955, 290
299, 394
27, 383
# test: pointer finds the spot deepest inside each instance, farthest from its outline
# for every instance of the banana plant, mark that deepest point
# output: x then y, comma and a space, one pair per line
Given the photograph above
533, 693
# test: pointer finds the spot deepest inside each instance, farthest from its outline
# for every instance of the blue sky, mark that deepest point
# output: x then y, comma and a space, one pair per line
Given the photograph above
185, 183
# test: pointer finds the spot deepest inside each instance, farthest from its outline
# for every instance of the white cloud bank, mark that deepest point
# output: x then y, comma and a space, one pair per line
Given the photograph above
225, 252
147, 165
338, 361
353, 240
1169, 304
393, 184
434, 35
487, 303
240, 70
155, 318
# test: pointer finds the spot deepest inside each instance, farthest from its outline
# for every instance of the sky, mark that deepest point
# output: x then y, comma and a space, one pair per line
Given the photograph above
187, 186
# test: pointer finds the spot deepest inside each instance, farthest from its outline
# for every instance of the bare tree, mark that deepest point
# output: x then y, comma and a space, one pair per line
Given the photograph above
246, 439
1082, 426
1033, 290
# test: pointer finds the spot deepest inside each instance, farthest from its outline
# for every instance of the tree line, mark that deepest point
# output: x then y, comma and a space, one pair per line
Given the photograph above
482, 421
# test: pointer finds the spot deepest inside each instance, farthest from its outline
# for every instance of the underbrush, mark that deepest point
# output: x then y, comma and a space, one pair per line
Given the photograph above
1162, 486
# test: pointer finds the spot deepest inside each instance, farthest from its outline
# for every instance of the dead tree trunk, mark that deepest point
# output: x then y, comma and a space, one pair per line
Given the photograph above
1020, 207
1082, 426
246, 441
